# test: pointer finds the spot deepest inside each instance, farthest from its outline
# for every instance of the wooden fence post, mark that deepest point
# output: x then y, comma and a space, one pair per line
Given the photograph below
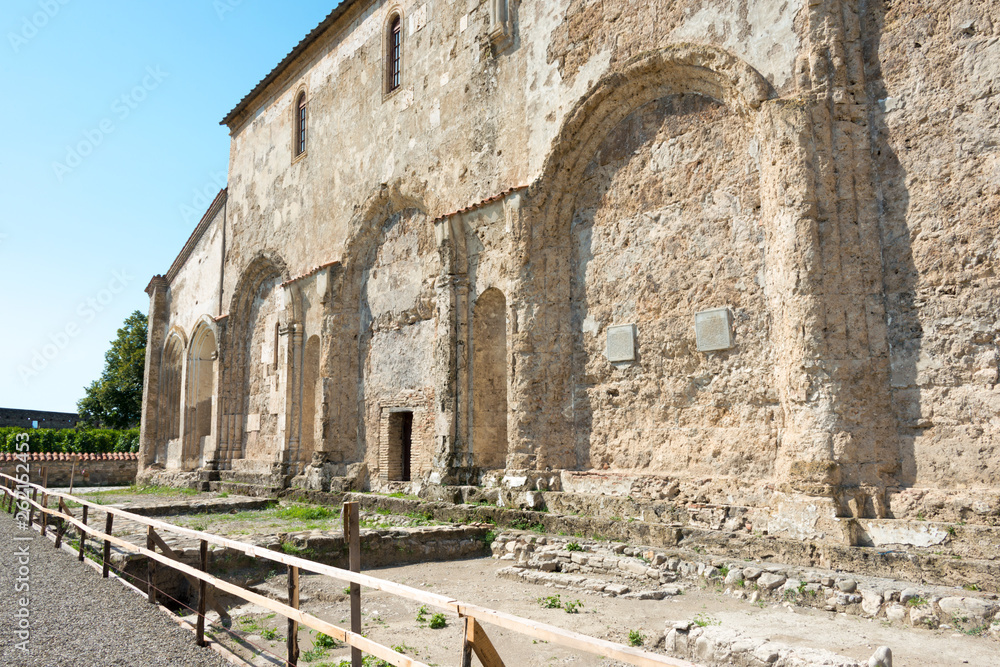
107, 544
202, 594
62, 523
150, 568
45, 516
476, 640
83, 535
293, 625
352, 536
31, 507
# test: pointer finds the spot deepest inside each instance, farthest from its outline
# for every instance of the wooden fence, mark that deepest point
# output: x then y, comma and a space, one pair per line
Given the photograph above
475, 640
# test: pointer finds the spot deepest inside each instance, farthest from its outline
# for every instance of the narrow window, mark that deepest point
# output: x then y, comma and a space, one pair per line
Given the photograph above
300, 126
395, 53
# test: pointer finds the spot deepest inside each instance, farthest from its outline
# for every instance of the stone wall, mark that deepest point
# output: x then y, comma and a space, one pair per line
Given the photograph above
91, 469
587, 180
27, 418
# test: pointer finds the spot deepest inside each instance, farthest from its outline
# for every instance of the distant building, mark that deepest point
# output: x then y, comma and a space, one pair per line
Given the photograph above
38, 419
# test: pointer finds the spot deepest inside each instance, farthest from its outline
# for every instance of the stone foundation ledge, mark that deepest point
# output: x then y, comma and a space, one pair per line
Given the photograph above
646, 571
723, 647
200, 506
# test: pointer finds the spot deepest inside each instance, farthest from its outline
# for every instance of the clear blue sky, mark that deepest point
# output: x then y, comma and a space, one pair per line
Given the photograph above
110, 117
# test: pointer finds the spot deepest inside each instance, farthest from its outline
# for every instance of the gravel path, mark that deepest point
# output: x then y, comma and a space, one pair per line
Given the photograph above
79, 619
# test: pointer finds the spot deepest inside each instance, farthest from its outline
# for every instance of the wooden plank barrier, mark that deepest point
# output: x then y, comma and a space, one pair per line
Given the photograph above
475, 639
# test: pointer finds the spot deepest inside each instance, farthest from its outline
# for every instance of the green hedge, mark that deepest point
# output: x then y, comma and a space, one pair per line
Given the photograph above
82, 441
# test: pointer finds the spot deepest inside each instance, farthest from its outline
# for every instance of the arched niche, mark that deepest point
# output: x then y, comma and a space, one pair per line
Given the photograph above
171, 374
249, 393
200, 396
608, 232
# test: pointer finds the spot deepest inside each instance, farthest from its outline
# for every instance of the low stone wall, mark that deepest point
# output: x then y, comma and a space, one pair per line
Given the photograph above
652, 573
114, 469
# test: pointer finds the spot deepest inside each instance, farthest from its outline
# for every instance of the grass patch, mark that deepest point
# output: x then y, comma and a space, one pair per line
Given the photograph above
704, 620
306, 513
916, 602
271, 635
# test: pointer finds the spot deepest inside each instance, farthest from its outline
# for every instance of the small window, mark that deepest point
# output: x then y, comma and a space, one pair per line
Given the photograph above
300, 126
34, 424
395, 54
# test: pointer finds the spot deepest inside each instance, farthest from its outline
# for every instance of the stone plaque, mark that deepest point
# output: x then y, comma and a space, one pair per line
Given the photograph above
253, 422
714, 329
621, 343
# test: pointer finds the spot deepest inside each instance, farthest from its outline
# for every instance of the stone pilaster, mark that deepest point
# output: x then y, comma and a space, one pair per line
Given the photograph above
155, 333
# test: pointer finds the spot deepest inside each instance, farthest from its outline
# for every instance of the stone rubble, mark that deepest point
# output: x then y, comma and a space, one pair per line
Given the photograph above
654, 574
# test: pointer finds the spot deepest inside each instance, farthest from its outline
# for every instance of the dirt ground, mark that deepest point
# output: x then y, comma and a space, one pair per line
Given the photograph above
393, 621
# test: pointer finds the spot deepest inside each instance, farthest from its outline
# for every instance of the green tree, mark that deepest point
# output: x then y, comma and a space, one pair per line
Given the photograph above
115, 400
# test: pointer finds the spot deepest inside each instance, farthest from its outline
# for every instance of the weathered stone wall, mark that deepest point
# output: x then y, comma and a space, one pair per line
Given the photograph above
596, 164
934, 70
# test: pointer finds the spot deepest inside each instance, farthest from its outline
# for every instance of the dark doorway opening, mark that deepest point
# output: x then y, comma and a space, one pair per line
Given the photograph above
400, 445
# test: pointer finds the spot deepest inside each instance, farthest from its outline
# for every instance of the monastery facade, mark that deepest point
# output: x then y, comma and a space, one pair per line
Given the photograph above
713, 252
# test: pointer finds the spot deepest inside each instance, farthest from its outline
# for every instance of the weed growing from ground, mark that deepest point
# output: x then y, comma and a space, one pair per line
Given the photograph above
422, 614
573, 546
704, 620
636, 638
438, 621
572, 607
550, 602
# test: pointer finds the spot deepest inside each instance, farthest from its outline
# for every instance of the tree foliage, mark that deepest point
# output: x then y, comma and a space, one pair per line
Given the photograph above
115, 400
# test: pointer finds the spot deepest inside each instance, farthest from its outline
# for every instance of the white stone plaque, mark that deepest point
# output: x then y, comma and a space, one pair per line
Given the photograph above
714, 329
253, 422
621, 343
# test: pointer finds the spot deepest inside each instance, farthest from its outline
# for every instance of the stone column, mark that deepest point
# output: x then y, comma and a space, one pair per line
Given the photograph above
155, 333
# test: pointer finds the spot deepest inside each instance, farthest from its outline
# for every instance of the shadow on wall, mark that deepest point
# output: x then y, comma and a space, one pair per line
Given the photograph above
900, 277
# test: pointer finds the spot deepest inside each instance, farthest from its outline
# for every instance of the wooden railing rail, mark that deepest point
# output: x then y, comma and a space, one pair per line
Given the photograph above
533, 629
